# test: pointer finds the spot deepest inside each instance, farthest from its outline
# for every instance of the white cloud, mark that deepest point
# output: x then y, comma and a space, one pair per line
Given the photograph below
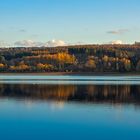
55, 43
27, 43
119, 31
116, 42
30, 43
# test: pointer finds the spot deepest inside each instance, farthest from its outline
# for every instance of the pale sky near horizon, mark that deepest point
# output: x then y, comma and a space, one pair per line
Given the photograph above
87, 21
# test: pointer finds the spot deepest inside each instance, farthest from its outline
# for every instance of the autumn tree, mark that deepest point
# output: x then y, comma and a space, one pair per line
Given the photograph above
21, 67
90, 65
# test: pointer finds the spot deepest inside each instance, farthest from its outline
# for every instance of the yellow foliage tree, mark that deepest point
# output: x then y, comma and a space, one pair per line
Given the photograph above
65, 58
2, 65
20, 67
90, 64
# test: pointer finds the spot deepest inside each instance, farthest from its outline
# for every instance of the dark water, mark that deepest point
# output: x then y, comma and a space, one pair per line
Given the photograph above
69, 111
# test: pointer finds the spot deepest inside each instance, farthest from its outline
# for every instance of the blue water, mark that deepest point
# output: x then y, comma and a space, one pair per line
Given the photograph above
41, 120
69, 111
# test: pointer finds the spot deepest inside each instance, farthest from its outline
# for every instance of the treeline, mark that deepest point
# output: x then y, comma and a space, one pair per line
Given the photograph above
80, 58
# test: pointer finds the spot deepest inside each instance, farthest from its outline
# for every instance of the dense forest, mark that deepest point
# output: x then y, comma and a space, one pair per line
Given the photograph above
80, 58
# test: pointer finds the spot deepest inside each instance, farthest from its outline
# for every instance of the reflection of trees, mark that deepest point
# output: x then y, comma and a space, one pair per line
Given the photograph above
60, 92
113, 93
83, 93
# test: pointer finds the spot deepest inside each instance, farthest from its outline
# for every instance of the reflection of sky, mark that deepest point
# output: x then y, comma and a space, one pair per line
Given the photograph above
117, 80
75, 120
57, 105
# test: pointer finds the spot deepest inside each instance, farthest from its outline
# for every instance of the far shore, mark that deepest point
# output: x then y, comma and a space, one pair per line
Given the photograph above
73, 74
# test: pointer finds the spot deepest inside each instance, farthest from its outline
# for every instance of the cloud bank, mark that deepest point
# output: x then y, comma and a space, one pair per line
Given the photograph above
30, 43
52, 43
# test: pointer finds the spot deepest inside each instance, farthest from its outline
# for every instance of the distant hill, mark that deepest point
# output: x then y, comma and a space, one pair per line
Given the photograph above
75, 58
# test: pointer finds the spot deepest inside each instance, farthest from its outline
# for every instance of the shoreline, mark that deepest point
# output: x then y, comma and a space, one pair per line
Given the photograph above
73, 74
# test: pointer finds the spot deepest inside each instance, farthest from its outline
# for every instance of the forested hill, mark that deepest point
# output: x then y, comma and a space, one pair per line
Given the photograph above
80, 58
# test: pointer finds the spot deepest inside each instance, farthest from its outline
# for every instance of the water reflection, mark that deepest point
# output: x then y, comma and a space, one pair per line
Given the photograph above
115, 94
69, 112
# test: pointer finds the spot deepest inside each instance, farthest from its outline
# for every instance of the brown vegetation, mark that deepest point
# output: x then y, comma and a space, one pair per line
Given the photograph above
80, 58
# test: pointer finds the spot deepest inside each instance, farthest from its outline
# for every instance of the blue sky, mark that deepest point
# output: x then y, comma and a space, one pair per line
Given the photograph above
87, 21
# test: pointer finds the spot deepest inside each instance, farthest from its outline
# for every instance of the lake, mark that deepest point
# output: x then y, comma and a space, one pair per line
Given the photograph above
69, 107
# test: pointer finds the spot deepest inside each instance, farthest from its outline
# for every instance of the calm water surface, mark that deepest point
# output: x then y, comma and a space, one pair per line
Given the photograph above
69, 108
